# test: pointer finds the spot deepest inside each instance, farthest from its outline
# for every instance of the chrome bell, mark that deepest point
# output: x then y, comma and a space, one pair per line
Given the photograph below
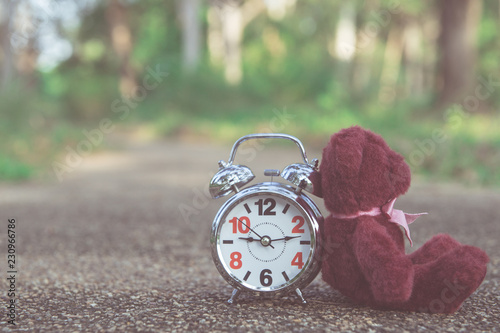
229, 178
298, 174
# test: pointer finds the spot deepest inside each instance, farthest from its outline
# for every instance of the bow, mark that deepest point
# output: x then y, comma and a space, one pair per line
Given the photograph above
399, 217
393, 215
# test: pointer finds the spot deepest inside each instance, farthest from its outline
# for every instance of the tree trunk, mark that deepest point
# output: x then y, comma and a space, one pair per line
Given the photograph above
363, 69
26, 53
6, 51
413, 58
392, 64
345, 36
227, 21
232, 30
457, 43
215, 38
121, 39
191, 31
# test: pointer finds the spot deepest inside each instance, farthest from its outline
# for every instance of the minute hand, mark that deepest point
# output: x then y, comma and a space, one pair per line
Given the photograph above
287, 238
253, 231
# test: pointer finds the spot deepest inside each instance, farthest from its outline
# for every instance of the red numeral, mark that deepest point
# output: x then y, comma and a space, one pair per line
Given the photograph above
297, 229
242, 224
297, 260
235, 262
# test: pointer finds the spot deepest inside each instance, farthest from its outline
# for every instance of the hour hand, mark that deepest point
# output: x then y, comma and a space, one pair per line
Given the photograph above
249, 239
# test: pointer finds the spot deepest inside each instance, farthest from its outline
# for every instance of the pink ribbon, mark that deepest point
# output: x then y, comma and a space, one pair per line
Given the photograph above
394, 215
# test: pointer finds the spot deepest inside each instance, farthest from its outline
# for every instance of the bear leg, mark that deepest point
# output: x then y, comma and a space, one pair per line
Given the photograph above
441, 286
434, 248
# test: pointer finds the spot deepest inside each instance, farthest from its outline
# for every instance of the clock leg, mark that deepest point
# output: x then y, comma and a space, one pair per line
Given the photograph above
299, 293
234, 296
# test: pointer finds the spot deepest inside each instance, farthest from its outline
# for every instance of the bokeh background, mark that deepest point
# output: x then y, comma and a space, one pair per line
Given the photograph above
425, 75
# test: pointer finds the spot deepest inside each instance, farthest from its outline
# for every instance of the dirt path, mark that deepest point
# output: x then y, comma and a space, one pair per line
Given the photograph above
122, 243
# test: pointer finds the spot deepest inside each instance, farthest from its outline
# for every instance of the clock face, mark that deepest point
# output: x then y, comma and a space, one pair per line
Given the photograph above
265, 241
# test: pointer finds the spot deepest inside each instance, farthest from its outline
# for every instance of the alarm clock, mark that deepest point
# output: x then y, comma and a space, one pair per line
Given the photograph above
266, 238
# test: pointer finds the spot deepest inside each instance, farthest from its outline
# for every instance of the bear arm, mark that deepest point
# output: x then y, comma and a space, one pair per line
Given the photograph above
386, 267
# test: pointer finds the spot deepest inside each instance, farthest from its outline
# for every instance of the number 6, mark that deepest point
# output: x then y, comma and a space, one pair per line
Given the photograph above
265, 278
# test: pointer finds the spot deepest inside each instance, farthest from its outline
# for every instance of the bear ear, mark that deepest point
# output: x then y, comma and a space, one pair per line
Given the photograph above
348, 148
340, 167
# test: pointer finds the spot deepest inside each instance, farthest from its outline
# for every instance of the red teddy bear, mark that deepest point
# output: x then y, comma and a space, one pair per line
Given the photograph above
360, 177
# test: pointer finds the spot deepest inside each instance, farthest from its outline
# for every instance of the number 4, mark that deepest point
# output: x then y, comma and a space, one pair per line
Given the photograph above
297, 260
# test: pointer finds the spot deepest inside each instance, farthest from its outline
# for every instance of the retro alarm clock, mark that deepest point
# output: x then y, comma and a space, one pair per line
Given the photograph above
266, 239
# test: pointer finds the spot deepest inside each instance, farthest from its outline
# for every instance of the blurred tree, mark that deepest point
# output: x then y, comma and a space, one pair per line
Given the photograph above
191, 33
121, 39
20, 47
343, 45
328, 53
227, 21
413, 57
345, 34
6, 56
458, 48
215, 39
392, 63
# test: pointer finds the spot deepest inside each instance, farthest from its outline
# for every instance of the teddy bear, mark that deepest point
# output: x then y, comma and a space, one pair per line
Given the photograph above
359, 179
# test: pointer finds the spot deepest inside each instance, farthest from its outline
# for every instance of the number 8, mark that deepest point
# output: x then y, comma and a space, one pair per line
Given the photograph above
235, 262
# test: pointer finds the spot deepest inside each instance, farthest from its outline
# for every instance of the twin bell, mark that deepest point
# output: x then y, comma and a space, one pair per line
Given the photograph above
231, 178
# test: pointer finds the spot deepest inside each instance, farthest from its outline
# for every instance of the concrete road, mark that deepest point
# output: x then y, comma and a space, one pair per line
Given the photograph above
122, 244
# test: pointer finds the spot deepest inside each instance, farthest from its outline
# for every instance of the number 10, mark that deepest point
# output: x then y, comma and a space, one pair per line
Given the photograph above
242, 225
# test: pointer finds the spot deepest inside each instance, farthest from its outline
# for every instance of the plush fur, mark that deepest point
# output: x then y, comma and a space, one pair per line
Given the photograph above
365, 256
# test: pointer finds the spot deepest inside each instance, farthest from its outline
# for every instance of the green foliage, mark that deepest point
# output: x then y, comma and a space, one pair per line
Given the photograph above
155, 35
32, 133
13, 169
292, 83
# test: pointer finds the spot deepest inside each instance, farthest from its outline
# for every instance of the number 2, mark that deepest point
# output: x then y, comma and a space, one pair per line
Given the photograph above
297, 229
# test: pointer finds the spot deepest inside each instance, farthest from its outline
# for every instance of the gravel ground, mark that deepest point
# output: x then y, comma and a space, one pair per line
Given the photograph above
122, 244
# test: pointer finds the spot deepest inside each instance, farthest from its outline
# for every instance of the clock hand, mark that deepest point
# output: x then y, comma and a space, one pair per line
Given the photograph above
250, 239
253, 232
287, 238
249, 228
